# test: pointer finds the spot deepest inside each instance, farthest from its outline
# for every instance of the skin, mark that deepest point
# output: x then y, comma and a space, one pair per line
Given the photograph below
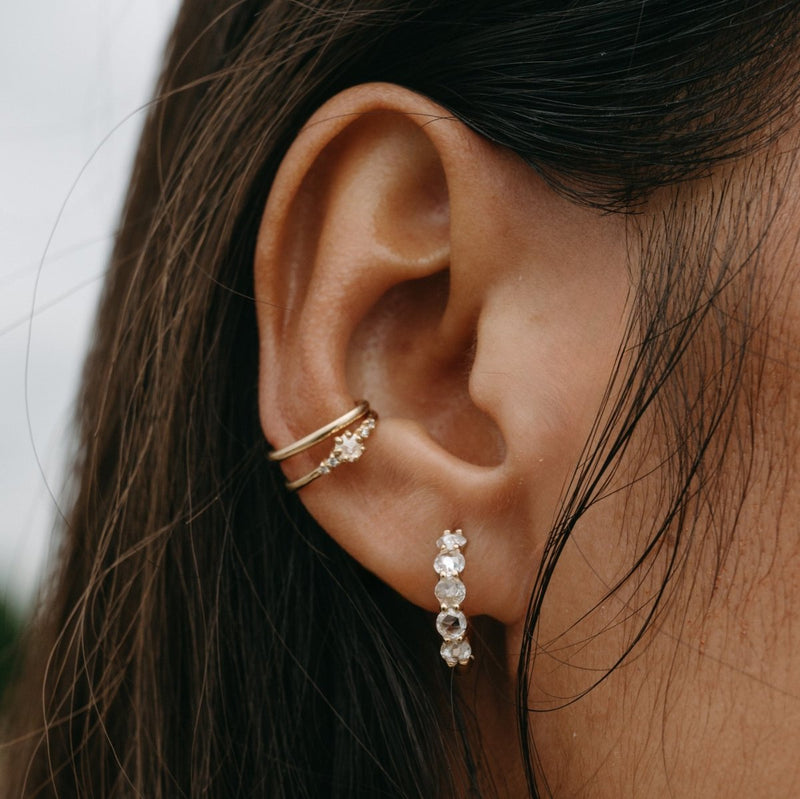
404, 259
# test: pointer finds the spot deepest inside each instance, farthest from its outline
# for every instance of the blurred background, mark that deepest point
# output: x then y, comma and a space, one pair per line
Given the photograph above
75, 77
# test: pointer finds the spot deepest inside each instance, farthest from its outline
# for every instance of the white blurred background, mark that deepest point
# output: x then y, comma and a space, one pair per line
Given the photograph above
72, 75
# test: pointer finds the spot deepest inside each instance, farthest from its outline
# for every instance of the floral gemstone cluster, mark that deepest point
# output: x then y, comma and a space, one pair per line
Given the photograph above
349, 447
451, 591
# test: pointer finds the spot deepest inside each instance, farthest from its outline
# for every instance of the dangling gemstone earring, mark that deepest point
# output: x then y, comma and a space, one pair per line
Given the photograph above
450, 591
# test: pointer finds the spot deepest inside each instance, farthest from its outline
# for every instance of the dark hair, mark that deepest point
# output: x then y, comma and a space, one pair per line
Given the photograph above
203, 635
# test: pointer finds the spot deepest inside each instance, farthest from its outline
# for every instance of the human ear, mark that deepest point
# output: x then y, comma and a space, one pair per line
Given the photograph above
404, 259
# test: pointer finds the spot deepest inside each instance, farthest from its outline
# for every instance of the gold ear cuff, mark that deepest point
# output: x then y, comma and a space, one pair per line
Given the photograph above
347, 448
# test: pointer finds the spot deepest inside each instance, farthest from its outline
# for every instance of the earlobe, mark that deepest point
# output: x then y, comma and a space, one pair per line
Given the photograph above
403, 259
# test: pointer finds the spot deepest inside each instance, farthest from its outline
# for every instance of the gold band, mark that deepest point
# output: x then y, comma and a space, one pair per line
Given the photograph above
347, 448
337, 425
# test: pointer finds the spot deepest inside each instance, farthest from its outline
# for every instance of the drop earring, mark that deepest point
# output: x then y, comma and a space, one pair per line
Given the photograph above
451, 622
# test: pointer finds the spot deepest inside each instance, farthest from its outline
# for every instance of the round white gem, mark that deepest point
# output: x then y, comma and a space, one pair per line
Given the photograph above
451, 541
463, 651
448, 564
450, 591
366, 428
455, 652
447, 653
451, 624
349, 448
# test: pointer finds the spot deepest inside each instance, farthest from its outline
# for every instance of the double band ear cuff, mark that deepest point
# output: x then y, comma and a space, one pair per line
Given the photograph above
347, 448
451, 623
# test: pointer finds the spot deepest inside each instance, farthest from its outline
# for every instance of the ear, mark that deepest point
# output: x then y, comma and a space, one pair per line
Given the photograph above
404, 259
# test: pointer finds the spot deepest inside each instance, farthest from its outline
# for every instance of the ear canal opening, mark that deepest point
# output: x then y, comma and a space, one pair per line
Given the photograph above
399, 359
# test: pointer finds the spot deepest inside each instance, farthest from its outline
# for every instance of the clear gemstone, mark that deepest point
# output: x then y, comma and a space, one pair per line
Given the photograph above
451, 624
332, 463
324, 468
366, 428
451, 541
455, 652
450, 591
448, 564
348, 448
447, 654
